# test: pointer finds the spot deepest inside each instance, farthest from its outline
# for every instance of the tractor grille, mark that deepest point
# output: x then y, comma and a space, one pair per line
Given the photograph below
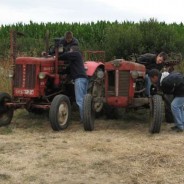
18, 76
29, 75
124, 83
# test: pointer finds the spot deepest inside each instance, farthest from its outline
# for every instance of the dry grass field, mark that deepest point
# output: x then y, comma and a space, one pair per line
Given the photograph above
118, 151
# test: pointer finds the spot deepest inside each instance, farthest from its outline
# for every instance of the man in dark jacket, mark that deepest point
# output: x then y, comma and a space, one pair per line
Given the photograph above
64, 43
78, 74
68, 41
172, 84
151, 61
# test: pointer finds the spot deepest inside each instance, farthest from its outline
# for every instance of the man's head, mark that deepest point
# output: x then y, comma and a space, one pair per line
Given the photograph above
68, 36
161, 57
154, 75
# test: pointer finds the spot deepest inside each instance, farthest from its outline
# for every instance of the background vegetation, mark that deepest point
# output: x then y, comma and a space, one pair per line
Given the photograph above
117, 39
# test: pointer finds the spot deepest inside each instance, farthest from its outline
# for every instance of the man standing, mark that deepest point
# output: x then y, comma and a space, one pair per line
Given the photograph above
151, 61
78, 74
172, 84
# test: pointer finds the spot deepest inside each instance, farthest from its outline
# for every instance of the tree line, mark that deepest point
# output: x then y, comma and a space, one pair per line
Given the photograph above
117, 39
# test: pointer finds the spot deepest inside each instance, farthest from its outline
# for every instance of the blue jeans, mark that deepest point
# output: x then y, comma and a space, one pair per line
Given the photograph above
177, 108
147, 85
81, 85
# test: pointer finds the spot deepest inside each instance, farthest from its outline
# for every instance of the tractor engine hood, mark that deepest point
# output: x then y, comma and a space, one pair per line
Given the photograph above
121, 64
34, 60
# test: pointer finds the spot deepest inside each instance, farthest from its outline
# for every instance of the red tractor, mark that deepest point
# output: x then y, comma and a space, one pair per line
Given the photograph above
41, 84
124, 86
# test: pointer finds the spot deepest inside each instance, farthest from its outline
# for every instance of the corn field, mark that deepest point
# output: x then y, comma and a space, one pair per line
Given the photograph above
116, 39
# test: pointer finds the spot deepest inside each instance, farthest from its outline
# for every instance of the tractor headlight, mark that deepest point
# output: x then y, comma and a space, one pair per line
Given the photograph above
42, 75
100, 74
134, 74
86, 68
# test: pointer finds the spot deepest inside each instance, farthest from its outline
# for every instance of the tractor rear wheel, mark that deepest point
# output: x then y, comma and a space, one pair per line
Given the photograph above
60, 112
88, 113
156, 114
6, 113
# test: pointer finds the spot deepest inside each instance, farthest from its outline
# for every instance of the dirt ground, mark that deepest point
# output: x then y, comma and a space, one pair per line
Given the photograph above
118, 151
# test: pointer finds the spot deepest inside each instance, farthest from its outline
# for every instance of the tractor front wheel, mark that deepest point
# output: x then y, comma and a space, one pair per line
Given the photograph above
60, 112
6, 113
156, 114
88, 113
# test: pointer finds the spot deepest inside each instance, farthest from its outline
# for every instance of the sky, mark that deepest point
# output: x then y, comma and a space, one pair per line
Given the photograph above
83, 11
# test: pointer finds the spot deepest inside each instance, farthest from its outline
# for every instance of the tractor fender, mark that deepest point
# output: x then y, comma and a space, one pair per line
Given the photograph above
91, 67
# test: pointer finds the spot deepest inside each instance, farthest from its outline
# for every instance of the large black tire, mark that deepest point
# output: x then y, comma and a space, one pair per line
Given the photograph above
6, 113
60, 112
156, 114
88, 113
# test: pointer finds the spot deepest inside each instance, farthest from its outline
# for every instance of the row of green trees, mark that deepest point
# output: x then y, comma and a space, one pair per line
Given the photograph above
115, 38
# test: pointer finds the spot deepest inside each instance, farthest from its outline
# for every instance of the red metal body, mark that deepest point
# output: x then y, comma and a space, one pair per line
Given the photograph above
30, 91
119, 83
91, 67
26, 81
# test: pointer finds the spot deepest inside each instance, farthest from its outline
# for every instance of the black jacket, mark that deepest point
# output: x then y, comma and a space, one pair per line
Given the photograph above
67, 46
77, 69
62, 42
173, 84
149, 60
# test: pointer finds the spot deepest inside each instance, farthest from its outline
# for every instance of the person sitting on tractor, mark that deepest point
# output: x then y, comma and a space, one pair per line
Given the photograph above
173, 83
68, 41
151, 61
78, 74
64, 43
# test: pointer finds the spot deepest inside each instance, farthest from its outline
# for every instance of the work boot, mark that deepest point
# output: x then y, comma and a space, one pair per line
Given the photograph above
175, 128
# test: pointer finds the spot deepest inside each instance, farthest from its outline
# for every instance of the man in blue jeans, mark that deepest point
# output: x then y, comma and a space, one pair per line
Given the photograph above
78, 74
172, 84
151, 61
